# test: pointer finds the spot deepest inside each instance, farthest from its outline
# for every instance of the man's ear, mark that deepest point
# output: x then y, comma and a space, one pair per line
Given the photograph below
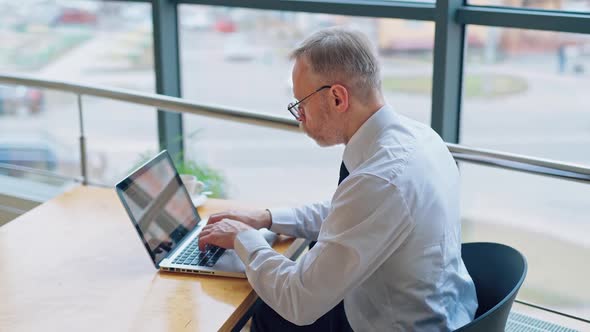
340, 97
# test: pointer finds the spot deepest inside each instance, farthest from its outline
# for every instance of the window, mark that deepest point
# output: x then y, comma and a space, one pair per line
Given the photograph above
526, 92
239, 58
243, 52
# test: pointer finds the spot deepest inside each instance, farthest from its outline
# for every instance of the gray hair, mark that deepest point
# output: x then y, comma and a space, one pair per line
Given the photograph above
342, 55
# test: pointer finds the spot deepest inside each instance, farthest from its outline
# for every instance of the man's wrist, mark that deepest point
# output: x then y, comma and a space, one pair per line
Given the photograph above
268, 224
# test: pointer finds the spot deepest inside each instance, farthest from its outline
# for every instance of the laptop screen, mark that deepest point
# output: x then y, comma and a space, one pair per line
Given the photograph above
159, 206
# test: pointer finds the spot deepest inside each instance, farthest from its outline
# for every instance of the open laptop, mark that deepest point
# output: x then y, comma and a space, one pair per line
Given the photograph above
167, 222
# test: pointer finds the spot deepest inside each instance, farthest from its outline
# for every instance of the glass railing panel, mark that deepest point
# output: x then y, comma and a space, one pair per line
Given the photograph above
525, 92
260, 165
120, 136
107, 44
38, 130
49, 139
239, 57
546, 219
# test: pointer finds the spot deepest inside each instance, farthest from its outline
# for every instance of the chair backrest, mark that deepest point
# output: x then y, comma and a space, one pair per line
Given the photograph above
498, 271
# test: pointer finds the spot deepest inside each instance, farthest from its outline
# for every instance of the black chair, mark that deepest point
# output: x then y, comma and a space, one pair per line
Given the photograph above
498, 271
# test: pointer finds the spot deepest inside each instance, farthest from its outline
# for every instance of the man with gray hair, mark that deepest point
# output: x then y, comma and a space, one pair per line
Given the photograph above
388, 251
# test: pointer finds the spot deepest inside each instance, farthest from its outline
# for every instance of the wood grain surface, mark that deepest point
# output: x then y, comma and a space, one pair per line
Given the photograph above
75, 263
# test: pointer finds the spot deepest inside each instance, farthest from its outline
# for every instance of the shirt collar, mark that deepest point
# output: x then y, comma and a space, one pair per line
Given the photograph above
358, 148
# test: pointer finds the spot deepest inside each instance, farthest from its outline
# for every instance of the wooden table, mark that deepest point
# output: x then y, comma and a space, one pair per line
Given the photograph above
75, 263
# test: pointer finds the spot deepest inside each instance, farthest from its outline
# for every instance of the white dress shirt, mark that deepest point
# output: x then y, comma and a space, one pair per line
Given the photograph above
389, 241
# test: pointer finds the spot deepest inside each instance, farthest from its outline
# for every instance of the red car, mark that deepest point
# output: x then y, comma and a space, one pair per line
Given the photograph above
225, 26
77, 16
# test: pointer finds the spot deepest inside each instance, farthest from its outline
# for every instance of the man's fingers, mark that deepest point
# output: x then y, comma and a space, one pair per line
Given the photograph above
205, 233
206, 230
217, 217
205, 240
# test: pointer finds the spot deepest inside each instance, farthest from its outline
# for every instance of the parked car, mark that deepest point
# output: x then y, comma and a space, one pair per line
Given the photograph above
225, 26
15, 99
37, 155
44, 154
77, 16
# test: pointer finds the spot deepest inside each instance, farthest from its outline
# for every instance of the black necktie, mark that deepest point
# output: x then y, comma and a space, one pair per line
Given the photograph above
343, 173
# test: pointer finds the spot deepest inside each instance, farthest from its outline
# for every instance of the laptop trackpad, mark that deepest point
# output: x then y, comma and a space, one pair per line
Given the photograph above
230, 262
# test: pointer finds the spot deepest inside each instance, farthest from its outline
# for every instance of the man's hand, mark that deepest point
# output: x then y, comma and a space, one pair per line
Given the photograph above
221, 233
257, 219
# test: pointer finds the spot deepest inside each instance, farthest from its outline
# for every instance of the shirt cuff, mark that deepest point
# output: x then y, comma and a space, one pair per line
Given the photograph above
247, 243
282, 220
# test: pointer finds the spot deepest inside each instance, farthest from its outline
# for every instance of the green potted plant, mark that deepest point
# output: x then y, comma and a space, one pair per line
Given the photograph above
213, 179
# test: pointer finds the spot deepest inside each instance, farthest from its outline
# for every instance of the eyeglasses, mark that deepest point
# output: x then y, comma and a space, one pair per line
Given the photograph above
295, 107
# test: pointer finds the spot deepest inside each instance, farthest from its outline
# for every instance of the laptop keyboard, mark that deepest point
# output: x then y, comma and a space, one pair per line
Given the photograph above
191, 255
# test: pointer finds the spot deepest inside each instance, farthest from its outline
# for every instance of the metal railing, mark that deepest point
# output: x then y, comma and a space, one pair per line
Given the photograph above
514, 162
